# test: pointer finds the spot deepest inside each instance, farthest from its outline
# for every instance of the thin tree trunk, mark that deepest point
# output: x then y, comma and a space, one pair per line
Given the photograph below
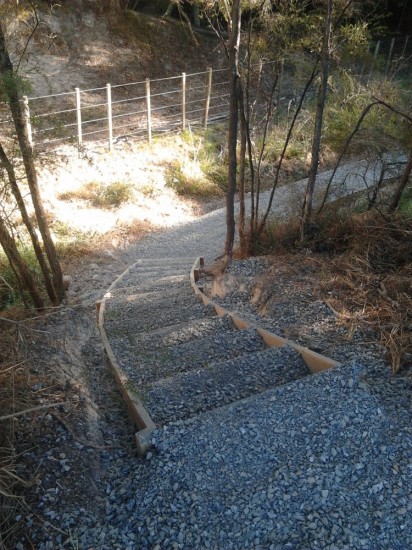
262, 223
268, 118
320, 106
345, 147
401, 185
7, 72
233, 129
18, 265
26, 219
242, 177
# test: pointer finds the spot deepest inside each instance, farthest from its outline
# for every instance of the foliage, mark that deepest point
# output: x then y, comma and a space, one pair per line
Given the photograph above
381, 130
101, 196
202, 171
11, 294
405, 204
188, 179
13, 83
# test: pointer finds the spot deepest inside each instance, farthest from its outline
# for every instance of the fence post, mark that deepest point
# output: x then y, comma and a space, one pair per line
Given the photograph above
208, 93
149, 111
183, 101
388, 63
26, 114
109, 115
79, 120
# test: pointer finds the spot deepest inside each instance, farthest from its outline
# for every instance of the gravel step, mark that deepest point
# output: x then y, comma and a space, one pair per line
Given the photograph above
166, 282
188, 394
163, 337
119, 322
148, 365
156, 298
148, 273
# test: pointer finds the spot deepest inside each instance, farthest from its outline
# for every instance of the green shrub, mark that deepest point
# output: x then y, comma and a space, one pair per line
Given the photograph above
405, 204
187, 179
100, 195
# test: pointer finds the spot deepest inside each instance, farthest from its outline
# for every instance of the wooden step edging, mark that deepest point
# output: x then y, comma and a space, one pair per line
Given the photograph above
314, 361
139, 415
137, 411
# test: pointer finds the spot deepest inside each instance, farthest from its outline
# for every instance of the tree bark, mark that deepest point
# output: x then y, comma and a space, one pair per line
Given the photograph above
401, 185
9, 79
233, 128
320, 106
26, 219
18, 265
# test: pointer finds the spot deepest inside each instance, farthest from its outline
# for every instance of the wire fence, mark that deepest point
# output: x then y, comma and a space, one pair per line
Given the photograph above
139, 110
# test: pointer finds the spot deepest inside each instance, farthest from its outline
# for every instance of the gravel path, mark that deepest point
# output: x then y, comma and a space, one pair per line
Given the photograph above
324, 461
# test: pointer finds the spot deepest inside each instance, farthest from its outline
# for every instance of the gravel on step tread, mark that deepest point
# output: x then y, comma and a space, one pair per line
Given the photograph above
131, 319
148, 365
220, 383
314, 464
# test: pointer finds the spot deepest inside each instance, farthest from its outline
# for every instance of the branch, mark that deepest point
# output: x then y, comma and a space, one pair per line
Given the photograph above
393, 109
33, 409
31, 35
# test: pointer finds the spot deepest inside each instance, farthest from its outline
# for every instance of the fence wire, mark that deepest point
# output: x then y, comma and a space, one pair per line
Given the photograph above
119, 111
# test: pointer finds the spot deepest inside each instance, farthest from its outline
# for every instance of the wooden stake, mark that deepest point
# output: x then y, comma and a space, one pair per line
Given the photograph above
149, 112
79, 120
208, 93
109, 115
183, 101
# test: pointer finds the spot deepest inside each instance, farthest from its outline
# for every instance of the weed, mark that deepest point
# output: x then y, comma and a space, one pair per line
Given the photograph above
405, 204
11, 295
188, 179
202, 172
101, 195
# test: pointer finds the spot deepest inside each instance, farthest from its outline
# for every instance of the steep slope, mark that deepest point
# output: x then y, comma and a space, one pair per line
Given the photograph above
76, 44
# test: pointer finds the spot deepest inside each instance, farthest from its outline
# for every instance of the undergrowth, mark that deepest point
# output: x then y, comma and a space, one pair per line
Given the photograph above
100, 195
365, 271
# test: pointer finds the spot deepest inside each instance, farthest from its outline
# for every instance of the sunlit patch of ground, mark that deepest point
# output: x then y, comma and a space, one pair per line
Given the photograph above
139, 166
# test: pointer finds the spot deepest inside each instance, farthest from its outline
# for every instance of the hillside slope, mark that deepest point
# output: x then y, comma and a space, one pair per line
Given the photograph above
75, 45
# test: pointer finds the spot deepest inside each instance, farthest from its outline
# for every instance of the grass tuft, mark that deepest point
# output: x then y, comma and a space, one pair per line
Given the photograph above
100, 195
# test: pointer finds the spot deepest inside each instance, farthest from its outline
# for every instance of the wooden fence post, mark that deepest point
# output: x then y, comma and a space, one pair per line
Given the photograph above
149, 111
109, 115
26, 114
208, 93
183, 101
79, 120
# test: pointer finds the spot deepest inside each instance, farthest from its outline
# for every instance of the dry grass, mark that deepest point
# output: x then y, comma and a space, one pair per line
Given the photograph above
18, 403
364, 273
371, 279
13, 390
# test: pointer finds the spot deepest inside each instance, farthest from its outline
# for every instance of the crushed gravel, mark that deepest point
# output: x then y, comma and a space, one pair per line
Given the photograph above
323, 461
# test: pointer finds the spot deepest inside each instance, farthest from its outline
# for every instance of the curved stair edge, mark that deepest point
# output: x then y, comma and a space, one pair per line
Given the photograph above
314, 361
137, 411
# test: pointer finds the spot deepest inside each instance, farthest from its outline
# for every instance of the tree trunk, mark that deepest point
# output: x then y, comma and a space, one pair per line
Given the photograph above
26, 219
233, 128
242, 177
11, 85
18, 265
401, 185
261, 225
325, 57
